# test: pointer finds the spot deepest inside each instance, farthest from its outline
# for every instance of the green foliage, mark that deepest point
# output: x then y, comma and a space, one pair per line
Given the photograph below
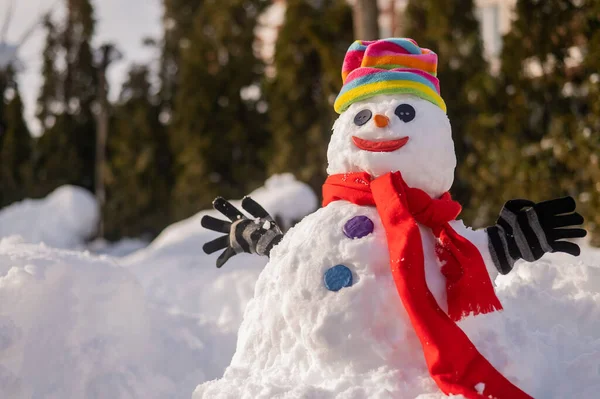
309, 52
178, 24
49, 93
216, 134
451, 30
15, 147
578, 150
531, 127
138, 176
66, 150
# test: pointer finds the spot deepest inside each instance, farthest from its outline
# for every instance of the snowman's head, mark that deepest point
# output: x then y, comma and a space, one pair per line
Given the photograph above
393, 117
389, 133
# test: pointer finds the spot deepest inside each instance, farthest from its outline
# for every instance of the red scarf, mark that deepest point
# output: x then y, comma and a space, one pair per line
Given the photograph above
453, 361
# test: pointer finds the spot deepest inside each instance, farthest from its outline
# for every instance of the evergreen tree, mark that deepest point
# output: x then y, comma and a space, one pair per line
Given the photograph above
15, 146
138, 179
451, 30
48, 99
531, 126
309, 53
66, 150
216, 134
178, 25
574, 133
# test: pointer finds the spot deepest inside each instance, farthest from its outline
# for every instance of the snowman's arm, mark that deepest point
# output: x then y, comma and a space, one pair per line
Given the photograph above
526, 230
255, 236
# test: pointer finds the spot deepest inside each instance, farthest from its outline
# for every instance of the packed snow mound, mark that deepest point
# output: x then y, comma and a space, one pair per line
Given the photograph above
117, 249
300, 340
66, 218
178, 276
73, 325
174, 270
548, 336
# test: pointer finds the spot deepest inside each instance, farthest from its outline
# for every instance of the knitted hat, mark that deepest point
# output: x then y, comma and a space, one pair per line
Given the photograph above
388, 66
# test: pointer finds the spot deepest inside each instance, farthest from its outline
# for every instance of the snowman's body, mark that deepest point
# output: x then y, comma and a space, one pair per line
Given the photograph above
303, 335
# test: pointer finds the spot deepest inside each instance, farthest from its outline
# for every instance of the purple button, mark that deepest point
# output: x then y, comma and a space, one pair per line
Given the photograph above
358, 227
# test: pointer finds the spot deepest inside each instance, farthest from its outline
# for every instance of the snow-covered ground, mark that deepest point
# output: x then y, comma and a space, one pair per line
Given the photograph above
158, 322
153, 324
64, 219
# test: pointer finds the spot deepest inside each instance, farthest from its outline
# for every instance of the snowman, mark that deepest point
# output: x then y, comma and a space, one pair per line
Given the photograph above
367, 292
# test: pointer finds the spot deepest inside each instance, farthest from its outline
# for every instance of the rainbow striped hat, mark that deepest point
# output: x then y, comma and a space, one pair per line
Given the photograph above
388, 66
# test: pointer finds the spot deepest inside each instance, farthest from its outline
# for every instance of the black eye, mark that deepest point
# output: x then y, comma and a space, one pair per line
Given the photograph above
362, 117
405, 112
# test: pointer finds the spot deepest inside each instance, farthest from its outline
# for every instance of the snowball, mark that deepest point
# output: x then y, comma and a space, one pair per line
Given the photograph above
66, 218
150, 325
72, 326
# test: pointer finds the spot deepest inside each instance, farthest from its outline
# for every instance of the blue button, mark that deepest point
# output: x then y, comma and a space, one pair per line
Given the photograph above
337, 278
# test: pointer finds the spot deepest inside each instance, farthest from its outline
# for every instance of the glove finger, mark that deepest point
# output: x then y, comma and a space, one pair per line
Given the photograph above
515, 205
214, 224
574, 219
558, 234
225, 256
556, 206
566, 247
216, 244
255, 209
225, 207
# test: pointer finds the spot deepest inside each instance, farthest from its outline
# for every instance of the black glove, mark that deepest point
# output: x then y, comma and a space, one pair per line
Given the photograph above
257, 236
526, 230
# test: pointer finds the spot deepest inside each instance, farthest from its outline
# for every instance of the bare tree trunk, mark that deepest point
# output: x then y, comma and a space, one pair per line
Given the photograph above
106, 54
366, 15
101, 138
394, 28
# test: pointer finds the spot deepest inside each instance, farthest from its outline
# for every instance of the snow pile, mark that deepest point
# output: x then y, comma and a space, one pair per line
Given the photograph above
176, 272
158, 322
178, 276
64, 219
300, 340
548, 337
151, 325
72, 326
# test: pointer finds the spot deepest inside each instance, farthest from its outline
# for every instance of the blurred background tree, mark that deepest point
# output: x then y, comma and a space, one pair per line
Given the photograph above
138, 178
528, 141
217, 131
178, 24
224, 107
309, 50
15, 143
365, 19
65, 153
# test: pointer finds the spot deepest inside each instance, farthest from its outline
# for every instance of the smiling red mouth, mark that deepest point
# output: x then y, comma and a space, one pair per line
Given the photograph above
379, 146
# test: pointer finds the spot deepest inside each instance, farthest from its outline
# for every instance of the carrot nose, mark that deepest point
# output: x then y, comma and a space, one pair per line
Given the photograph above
381, 120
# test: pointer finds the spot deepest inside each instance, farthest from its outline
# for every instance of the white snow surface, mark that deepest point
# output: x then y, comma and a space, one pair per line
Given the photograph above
118, 249
157, 323
175, 271
66, 218
151, 325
